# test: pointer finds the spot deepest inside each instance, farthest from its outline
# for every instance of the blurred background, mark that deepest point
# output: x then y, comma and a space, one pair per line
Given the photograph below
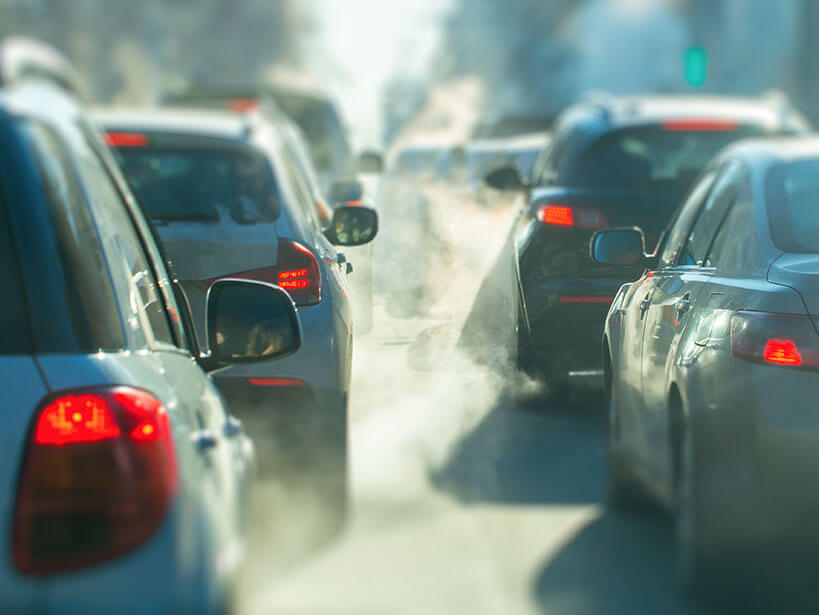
386, 60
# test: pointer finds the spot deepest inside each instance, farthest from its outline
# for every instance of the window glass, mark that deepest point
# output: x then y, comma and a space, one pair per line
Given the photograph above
94, 314
301, 193
724, 194
203, 185
736, 249
140, 298
654, 157
683, 220
793, 206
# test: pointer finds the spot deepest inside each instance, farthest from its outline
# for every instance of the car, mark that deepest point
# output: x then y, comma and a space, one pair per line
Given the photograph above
122, 467
711, 359
612, 162
499, 126
228, 201
312, 130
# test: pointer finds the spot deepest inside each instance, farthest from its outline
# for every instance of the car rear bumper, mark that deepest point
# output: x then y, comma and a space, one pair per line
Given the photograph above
762, 468
566, 319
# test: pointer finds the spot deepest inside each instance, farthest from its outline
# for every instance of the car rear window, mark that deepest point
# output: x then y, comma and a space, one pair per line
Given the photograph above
176, 185
322, 127
656, 157
793, 206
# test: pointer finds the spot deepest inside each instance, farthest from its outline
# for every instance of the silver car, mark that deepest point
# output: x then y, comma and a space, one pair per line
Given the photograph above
124, 479
228, 200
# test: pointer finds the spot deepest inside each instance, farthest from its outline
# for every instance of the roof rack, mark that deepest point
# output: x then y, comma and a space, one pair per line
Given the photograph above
24, 58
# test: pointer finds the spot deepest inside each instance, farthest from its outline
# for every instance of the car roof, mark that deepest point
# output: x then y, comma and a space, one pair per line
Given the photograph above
183, 121
762, 153
619, 112
527, 141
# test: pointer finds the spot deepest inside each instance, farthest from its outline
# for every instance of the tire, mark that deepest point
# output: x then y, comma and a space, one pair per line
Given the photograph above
695, 567
523, 347
621, 491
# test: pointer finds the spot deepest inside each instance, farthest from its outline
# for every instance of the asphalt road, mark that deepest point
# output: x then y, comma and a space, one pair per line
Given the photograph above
470, 493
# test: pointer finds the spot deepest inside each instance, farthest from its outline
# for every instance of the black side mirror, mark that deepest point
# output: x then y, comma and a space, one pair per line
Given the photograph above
249, 322
619, 246
370, 162
505, 178
352, 225
346, 191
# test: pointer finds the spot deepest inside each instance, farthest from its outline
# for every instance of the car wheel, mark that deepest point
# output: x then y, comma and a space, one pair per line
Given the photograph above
694, 566
523, 346
621, 490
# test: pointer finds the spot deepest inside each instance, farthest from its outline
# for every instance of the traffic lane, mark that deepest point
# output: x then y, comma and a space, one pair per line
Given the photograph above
554, 458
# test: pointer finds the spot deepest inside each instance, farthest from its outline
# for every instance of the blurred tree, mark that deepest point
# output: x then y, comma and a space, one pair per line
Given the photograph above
130, 50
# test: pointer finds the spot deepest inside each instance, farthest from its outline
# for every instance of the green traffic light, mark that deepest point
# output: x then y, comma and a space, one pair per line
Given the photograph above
696, 66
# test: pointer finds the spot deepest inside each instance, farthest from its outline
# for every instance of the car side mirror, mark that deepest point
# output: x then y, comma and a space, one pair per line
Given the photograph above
619, 246
370, 162
505, 178
249, 322
346, 191
352, 225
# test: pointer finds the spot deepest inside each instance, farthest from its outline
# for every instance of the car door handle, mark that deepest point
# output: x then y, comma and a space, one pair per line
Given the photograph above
682, 305
204, 440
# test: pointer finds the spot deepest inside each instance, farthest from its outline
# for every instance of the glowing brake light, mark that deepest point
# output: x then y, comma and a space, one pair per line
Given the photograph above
785, 340
99, 475
298, 272
558, 215
243, 105
572, 217
125, 139
782, 352
700, 125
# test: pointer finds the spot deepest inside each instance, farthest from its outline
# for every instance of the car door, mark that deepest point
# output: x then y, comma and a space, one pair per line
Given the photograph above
633, 310
220, 445
676, 290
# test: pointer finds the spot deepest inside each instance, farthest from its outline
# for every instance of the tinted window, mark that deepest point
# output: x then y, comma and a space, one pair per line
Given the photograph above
203, 185
94, 313
14, 334
322, 127
133, 278
793, 206
736, 249
684, 219
711, 215
650, 158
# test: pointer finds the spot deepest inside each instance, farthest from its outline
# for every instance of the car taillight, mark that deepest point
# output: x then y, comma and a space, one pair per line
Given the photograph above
125, 139
98, 477
787, 340
243, 105
572, 217
298, 272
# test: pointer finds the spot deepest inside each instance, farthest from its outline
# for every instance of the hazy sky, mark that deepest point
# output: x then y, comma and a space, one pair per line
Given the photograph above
364, 42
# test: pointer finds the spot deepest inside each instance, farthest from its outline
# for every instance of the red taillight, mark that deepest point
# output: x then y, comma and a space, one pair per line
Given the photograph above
243, 105
558, 215
782, 352
700, 125
98, 477
572, 217
298, 272
126, 139
787, 340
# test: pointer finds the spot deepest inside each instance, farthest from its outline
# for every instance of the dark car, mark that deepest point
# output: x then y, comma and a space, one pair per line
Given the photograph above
711, 360
614, 162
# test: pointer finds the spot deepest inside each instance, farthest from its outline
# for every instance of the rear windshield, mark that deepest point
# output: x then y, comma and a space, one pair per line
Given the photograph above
176, 185
793, 206
653, 158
